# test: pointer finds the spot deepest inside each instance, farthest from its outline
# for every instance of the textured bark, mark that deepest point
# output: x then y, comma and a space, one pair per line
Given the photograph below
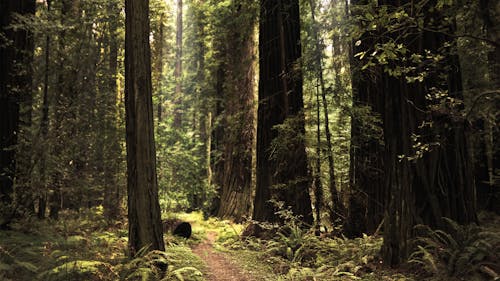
217, 137
236, 189
439, 184
143, 207
417, 188
281, 176
15, 89
488, 156
159, 68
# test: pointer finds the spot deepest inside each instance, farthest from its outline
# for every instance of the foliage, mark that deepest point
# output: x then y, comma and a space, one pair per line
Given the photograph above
158, 265
460, 250
296, 253
85, 247
79, 270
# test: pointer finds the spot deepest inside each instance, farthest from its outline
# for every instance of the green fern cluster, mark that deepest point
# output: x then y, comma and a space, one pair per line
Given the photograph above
16, 262
293, 243
466, 251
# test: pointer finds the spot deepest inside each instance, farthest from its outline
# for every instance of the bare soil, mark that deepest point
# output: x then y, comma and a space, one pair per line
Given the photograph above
220, 267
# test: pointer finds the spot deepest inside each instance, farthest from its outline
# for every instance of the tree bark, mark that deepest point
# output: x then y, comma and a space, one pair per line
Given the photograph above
143, 207
282, 170
236, 189
439, 183
489, 156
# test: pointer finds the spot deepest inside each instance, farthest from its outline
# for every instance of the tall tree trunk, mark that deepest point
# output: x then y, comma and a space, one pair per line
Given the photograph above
439, 183
44, 128
318, 186
178, 104
62, 116
282, 170
239, 116
487, 174
159, 69
112, 194
217, 136
143, 207
15, 89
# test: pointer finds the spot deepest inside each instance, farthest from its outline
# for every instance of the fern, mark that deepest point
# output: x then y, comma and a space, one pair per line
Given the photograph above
79, 269
459, 251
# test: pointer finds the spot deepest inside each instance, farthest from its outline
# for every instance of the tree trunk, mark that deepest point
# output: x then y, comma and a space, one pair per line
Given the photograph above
178, 106
143, 207
44, 128
62, 116
487, 174
439, 183
282, 171
112, 195
238, 116
318, 186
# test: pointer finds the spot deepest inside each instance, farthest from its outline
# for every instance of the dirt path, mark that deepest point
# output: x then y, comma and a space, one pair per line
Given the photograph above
220, 268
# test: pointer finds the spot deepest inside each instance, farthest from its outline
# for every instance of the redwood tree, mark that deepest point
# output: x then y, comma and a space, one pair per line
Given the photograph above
282, 168
236, 189
143, 207
427, 170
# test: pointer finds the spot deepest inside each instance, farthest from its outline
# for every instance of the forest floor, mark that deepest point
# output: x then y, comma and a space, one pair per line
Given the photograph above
83, 246
219, 266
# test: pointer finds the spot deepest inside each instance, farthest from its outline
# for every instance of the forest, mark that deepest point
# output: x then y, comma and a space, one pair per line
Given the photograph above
244, 140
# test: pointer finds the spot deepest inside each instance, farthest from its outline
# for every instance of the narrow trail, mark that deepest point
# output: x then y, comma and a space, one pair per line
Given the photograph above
220, 268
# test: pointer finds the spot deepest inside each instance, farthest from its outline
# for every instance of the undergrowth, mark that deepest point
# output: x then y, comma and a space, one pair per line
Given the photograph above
464, 252
295, 253
82, 246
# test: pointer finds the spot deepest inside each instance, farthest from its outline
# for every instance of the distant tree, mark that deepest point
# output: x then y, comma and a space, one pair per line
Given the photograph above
111, 134
143, 207
178, 67
282, 166
16, 53
44, 127
337, 208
